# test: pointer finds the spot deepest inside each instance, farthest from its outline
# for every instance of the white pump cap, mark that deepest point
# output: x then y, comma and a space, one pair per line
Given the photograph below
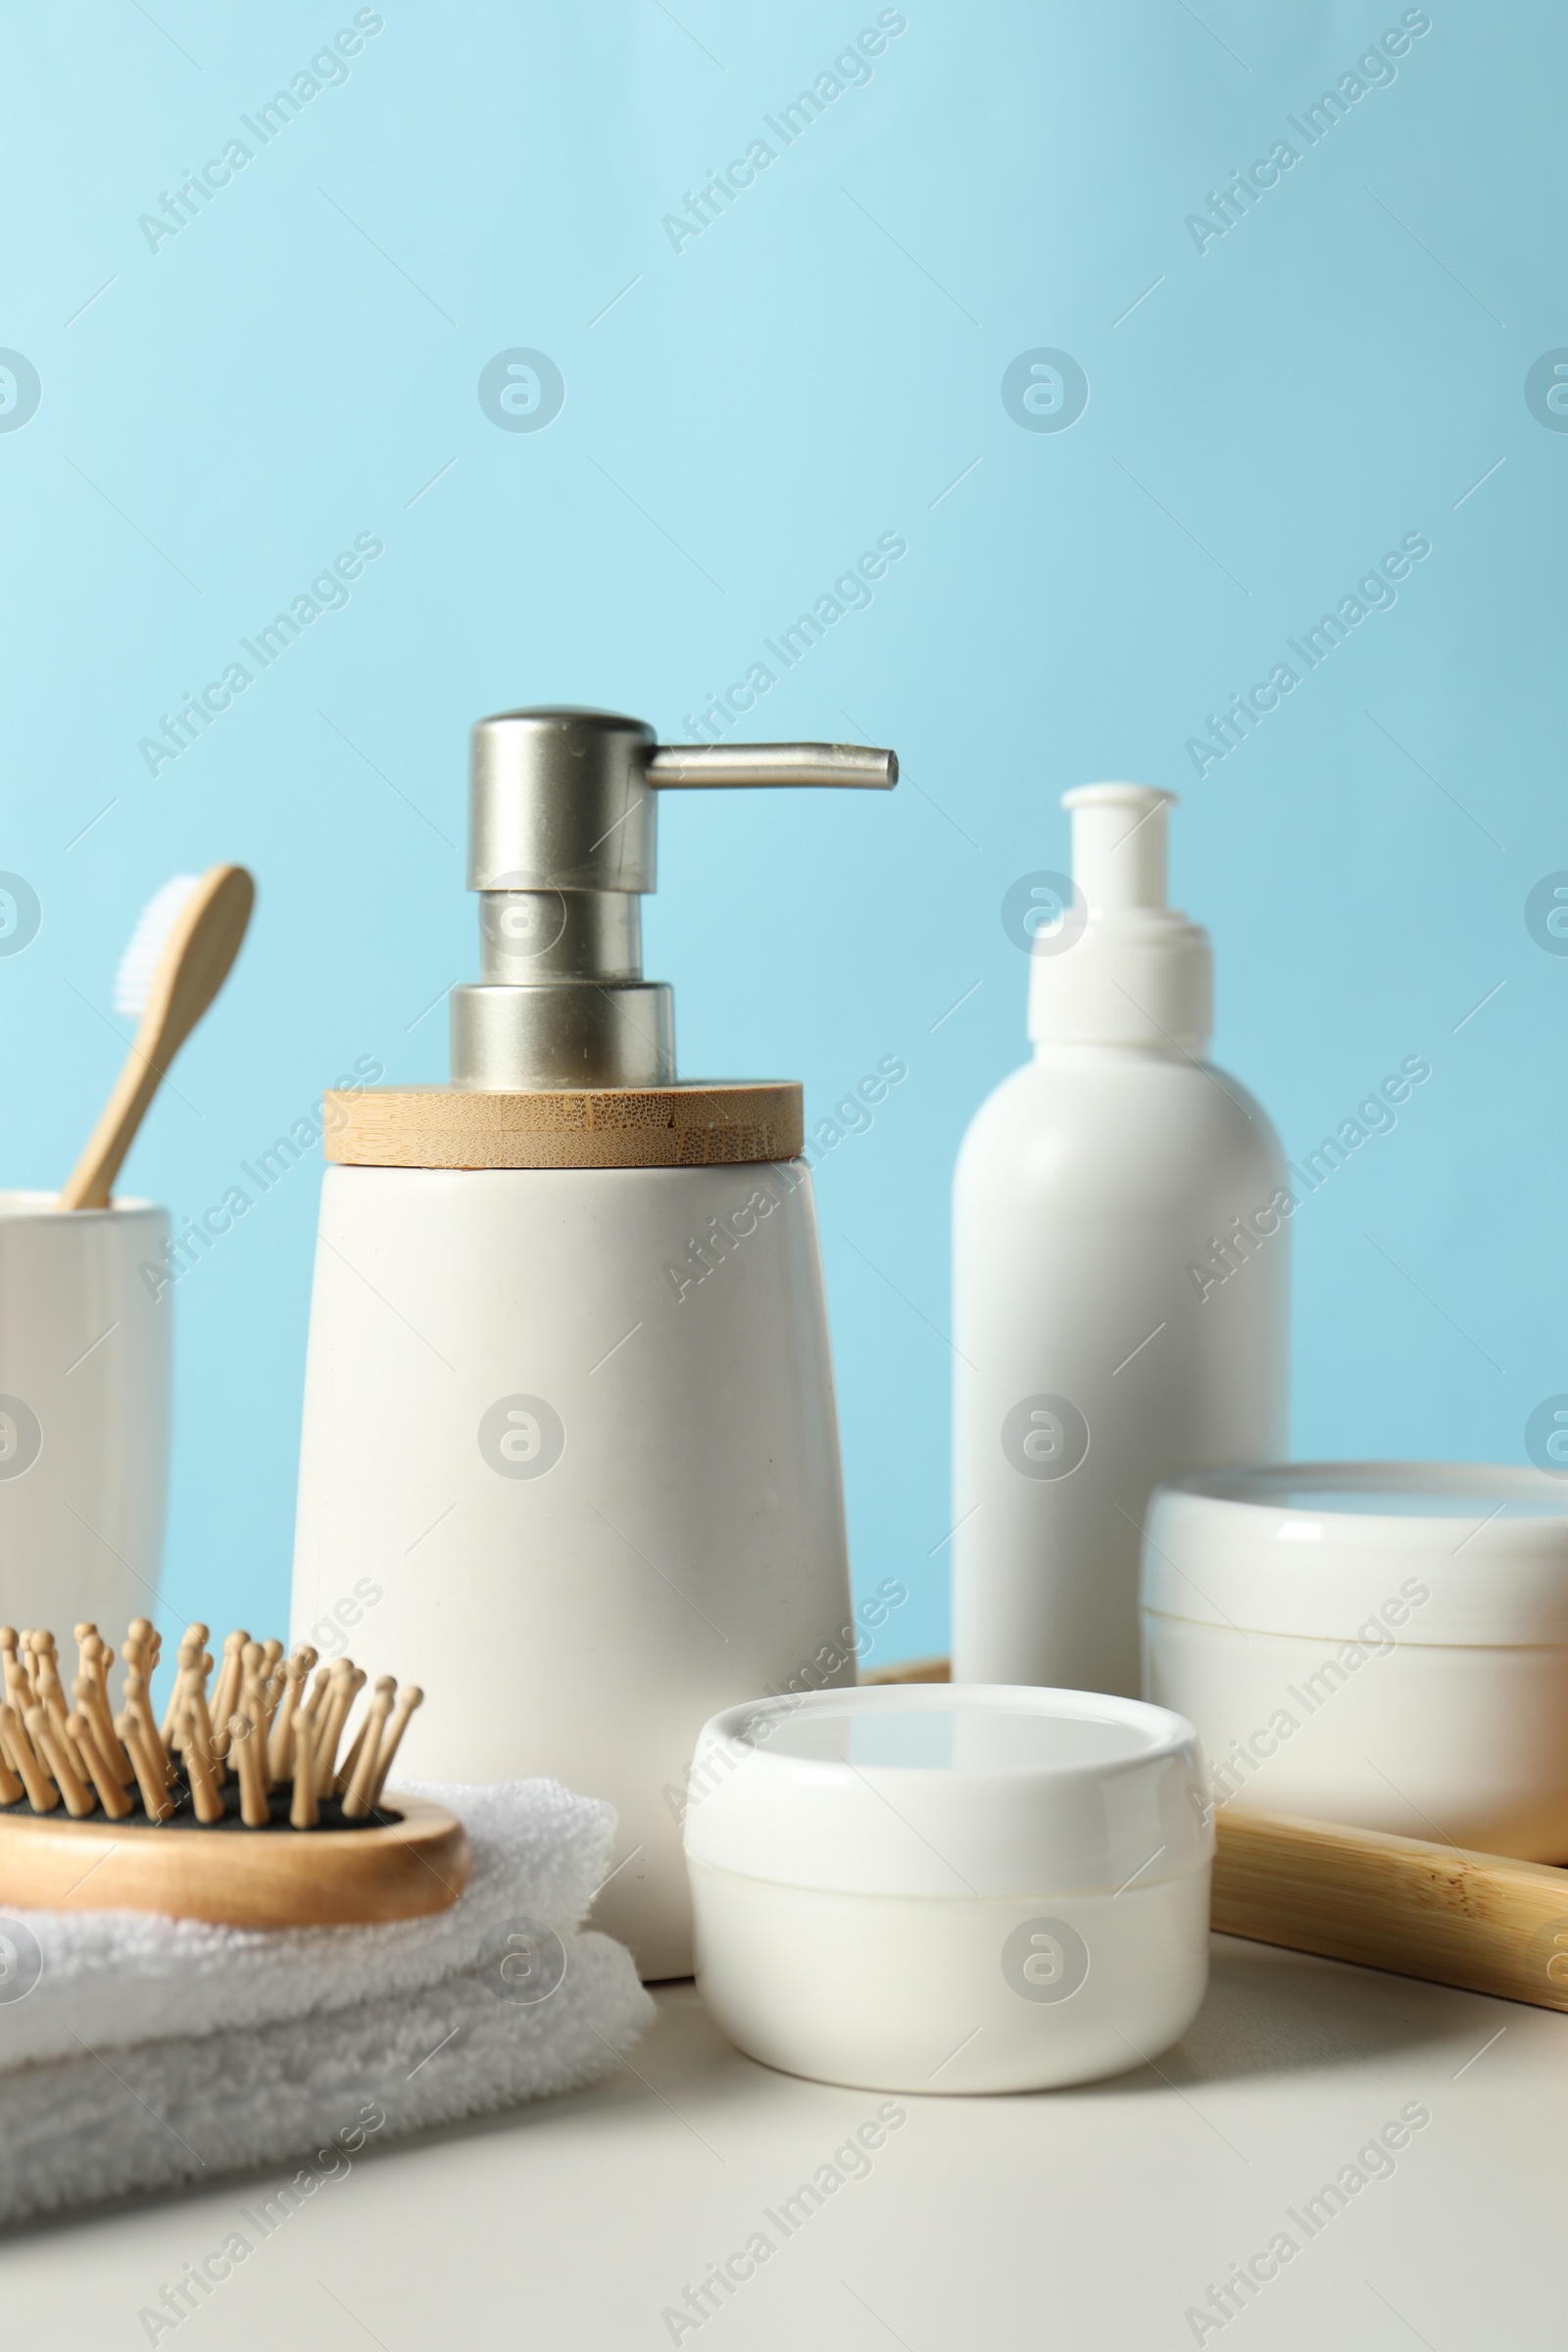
1136, 973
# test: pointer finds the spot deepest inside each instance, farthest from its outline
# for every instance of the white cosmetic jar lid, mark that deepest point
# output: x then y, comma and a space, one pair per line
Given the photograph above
940, 1888
940, 1790
1467, 1555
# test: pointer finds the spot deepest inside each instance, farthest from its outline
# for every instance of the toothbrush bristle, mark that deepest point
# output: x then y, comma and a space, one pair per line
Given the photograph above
133, 981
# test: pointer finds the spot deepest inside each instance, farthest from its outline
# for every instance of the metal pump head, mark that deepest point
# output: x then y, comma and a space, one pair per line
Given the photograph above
563, 840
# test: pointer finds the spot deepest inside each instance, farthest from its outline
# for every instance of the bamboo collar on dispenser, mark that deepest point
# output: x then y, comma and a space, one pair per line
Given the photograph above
88, 1795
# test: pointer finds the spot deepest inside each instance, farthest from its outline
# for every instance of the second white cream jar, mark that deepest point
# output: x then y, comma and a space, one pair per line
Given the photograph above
950, 1888
1378, 1643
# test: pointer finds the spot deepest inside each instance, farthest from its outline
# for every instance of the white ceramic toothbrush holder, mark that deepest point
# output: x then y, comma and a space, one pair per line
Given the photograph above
86, 1355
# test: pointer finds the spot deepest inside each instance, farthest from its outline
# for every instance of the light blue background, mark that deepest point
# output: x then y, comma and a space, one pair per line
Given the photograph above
819, 367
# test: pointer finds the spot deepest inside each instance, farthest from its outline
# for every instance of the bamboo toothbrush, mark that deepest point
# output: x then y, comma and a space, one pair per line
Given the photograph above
178, 957
88, 1798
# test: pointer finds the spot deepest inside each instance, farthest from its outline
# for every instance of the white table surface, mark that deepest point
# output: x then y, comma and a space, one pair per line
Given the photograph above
1091, 2217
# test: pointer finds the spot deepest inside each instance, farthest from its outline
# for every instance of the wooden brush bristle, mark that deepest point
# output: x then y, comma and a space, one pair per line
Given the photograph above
261, 1746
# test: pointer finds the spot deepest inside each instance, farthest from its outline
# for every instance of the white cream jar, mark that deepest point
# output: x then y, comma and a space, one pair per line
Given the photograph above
937, 1888
1379, 1644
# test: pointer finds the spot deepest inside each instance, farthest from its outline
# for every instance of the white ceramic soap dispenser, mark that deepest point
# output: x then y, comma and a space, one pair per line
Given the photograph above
570, 1439
1120, 1271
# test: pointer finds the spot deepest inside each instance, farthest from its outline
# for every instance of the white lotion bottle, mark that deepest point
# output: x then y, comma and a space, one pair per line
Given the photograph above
1121, 1270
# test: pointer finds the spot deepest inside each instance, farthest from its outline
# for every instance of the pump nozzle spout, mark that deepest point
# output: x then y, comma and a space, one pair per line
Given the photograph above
1118, 845
703, 767
1132, 972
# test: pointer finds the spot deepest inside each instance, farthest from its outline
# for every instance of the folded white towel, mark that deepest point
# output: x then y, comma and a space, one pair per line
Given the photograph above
153, 2051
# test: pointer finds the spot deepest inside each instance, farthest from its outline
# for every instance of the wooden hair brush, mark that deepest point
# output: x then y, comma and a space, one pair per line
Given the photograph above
88, 1798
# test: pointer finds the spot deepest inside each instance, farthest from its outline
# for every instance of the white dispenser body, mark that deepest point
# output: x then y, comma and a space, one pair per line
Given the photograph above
1121, 1270
586, 1492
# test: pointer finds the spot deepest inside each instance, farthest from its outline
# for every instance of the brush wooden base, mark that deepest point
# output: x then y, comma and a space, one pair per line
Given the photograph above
711, 1124
279, 1877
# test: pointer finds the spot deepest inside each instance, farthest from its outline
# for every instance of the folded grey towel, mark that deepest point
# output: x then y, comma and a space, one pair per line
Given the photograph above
139, 2052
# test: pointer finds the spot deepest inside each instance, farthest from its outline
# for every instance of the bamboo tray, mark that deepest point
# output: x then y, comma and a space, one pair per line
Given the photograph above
1477, 1920
415, 1861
